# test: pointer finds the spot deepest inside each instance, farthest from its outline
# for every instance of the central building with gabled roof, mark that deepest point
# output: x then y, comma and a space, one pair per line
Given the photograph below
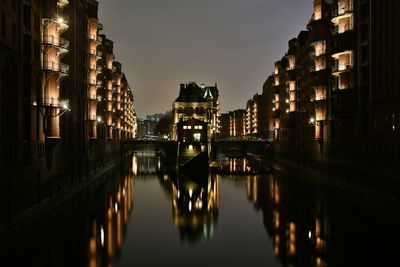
197, 102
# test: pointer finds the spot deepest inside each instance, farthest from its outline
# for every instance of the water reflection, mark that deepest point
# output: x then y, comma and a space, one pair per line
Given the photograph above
292, 218
242, 165
146, 162
108, 229
296, 223
88, 230
195, 206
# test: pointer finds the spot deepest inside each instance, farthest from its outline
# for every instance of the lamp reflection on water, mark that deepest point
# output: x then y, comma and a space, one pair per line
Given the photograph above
195, 206
105, 242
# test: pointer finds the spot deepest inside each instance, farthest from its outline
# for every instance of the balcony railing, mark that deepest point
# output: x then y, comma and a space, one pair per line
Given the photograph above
92, 37
62, 3
55, 102
62, 22
55, 41
56, 67
92, 117
314, 54
92, 82
342, 29
99, 54
92, 67
341, 68
339, 11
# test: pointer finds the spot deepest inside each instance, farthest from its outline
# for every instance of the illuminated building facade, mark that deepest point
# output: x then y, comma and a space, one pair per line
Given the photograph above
332, 93
225, 125
55, 95
237, 122
197, 102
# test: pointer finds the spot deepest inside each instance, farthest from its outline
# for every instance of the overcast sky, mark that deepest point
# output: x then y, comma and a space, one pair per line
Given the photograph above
234, 43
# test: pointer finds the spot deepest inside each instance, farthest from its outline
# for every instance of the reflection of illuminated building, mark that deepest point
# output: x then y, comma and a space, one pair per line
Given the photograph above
297, 229
243, 165
106, 234
195, 207
146, 162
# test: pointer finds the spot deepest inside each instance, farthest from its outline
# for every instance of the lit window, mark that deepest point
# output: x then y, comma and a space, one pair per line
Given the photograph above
189, 127
197, 137
185, 127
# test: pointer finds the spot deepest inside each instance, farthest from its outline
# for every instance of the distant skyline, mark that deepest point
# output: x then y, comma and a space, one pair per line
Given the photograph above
233, 43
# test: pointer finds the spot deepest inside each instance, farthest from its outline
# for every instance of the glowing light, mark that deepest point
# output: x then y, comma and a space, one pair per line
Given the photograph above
102, 235
116, 207
309, 234
190, 147
312, 120
60, 20
190, 206
190, 192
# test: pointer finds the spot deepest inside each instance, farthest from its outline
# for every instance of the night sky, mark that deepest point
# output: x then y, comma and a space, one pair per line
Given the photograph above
234, 43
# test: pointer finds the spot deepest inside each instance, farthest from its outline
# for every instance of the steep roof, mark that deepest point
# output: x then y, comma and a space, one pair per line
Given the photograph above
193, 93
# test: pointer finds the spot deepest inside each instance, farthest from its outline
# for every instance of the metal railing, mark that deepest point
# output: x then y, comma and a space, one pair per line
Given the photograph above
62, 3
339, 68
55, 102
55, 66
92, 117
342, 29
92, 82
92, 37
55, 41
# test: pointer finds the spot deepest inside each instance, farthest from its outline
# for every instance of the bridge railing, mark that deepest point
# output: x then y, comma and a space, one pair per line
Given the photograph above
242, 139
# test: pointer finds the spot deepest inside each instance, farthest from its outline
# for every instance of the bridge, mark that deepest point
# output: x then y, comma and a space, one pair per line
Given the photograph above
235, 146
242, 145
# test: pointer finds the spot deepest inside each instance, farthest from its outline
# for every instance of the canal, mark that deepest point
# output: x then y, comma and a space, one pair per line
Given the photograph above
140, 215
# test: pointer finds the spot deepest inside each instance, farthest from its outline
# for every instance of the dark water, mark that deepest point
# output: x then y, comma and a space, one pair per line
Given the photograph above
142, 216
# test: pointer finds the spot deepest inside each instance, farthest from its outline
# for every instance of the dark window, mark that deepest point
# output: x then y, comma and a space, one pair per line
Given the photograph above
27, 46
36, 23
3, 25
14, 33
27, 16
